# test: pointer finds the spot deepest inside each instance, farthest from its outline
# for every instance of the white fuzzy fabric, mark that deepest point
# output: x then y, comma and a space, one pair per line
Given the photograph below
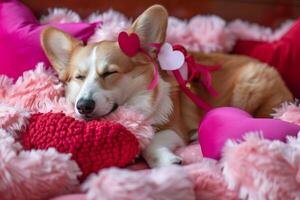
60, 15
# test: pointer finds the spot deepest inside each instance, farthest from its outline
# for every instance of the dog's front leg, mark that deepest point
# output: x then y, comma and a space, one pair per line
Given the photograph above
160, 151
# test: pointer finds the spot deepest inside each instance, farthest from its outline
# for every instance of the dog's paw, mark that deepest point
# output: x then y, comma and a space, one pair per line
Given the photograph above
163, 158
173, 160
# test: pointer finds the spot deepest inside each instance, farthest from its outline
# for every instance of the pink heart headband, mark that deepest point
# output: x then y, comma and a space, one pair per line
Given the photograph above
173, 58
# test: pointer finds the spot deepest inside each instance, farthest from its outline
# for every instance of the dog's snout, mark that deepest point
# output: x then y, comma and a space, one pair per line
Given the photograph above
85, 106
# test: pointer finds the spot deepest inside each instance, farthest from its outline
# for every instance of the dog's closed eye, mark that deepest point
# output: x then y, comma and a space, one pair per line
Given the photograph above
105, 74
80, 77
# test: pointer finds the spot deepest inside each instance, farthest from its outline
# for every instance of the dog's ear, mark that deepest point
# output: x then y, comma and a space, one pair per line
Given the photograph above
151, 26
58, 47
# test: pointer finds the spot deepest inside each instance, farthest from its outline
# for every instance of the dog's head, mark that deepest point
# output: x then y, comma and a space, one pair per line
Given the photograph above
100, 77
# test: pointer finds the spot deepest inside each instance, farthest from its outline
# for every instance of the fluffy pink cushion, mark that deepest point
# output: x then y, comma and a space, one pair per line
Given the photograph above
20, 48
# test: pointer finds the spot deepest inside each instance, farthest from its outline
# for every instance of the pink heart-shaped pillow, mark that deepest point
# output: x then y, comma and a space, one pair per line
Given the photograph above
94, 145
222, 124
20, 48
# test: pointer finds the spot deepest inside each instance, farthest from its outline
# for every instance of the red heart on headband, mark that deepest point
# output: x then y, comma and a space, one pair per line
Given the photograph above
130, 44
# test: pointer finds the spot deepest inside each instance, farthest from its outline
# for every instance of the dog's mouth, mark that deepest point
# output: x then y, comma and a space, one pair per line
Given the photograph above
113, 109
93, 116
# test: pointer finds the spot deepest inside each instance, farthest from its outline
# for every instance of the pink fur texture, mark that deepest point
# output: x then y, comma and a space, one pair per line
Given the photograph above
112, 24
5, 84
207, 33
201, 33
34, 88
289, 112
34, 175
13, 119
164, 183
209, 183
250, 31
260, 169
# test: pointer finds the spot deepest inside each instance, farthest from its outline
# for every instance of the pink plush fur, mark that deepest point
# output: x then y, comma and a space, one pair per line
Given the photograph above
13, 119
34, 88
209, 183
289, 112
201, 33
5, 84
250, 31
112, 24
34, 175
165, 183
260, 169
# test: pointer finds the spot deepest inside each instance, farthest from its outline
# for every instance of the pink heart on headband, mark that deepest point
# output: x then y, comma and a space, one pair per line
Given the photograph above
130, 44
170, 59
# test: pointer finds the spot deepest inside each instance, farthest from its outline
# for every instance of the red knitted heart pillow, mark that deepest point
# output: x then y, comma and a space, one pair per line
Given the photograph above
93, 145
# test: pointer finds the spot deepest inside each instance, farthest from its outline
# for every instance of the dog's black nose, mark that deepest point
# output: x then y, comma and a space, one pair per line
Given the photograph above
85, 106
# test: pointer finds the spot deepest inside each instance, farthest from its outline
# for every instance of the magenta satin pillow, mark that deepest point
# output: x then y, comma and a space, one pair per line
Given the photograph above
224, 123
20, 48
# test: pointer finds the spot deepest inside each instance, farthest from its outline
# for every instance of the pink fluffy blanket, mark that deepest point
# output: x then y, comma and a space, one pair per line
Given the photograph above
251, 169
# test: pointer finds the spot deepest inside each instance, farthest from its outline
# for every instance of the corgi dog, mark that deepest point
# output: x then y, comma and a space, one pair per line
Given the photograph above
99, 78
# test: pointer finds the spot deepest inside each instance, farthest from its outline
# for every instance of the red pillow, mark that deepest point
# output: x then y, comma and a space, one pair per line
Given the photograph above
20, 48
283, 54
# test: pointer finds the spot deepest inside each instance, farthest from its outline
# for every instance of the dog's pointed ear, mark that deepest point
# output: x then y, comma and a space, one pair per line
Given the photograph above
151, 26
58, 47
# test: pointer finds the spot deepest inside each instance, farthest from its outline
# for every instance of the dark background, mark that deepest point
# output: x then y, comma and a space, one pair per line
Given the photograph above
264, 12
